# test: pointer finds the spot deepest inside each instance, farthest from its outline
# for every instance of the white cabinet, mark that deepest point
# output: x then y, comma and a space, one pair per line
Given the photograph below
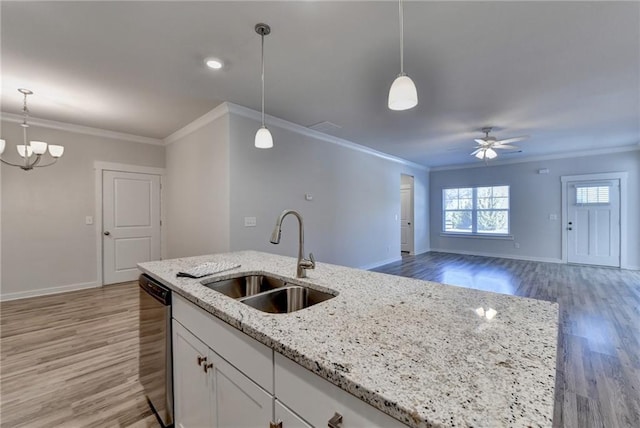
209, 392
287, 418
318, 401
192, 405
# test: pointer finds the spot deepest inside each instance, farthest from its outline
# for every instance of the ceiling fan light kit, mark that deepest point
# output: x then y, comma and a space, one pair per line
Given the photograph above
27, 151
485, 150
264, 139
403, 94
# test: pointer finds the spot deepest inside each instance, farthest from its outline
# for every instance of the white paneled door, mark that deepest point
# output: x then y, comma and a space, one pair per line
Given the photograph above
130, 223
593, 224
406, 220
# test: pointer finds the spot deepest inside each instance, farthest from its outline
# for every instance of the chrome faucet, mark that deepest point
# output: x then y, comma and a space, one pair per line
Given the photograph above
303, 264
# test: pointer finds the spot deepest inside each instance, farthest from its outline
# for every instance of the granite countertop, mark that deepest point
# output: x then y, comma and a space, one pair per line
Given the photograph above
420, 351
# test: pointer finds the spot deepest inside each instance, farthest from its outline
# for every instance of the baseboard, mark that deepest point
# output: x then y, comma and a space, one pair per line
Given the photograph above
630, 267
500, 256
380, 263
422, 251
46, 291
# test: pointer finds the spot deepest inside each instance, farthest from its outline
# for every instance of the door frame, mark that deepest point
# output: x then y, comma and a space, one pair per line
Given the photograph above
622, 177
99, 167
412, 237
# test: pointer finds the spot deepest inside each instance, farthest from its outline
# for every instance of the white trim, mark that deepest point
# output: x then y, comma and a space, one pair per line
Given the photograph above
99, 167
206, 118
87, 130
374, 265
563, 155
622, 176
499, 256
294, 127
46, 291
476, 236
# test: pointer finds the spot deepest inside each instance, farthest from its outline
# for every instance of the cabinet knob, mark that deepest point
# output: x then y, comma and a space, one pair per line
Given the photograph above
201, 360
206, 367
107, 233
335, 421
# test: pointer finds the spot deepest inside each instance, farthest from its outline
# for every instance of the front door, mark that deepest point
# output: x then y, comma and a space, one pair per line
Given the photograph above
593, 224
131, 223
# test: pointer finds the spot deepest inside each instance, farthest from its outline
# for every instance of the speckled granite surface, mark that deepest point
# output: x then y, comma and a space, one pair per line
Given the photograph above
418, 351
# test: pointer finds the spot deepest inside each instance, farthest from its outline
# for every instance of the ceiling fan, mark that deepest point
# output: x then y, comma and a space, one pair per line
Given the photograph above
486, 148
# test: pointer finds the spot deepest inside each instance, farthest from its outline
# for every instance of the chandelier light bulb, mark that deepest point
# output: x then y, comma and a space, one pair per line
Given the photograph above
38, 147
21, 150
2, 145
56, 151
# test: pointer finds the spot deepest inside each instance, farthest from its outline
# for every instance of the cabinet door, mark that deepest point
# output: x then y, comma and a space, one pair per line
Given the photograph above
192, 385
239, 401
287, 418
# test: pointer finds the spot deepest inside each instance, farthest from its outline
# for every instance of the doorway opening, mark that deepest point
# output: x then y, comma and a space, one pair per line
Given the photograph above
594, 219
406, 215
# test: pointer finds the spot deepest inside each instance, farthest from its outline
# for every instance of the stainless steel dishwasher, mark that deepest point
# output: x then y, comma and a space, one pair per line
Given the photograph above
155, 362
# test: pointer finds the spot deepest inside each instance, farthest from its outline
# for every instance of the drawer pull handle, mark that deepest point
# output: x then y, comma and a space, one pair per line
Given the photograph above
335, 421
201, 360
275, 424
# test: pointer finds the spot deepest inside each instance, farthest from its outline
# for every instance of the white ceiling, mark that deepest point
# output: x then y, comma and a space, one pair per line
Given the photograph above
565, 73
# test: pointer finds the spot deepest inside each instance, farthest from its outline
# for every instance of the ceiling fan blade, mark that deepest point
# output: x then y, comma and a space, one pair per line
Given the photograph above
475, 151
512, 140
506, 146
481, 141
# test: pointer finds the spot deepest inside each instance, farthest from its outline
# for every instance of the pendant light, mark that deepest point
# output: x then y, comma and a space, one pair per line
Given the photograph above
403, 94
263, 140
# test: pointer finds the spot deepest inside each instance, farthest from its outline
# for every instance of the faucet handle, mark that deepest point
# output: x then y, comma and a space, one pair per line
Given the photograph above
312, 260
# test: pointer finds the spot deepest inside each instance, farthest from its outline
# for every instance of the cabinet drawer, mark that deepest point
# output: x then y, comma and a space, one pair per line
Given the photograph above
246, 354
317, 400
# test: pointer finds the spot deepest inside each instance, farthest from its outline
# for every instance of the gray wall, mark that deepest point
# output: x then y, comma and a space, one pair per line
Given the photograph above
533, 197
353, 219
197, 191
45, 242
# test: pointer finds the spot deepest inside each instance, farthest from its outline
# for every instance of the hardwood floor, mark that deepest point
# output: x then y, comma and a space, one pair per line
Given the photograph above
71, 360
598, 363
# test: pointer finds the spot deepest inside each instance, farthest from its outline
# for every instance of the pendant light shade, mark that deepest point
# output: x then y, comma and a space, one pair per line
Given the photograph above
264, 140
403, 94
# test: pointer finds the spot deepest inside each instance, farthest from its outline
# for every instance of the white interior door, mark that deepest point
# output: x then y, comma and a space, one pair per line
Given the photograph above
406, 220
130, 223
593, 224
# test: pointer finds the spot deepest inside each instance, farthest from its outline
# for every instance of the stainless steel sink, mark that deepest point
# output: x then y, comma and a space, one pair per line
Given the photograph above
243, 286
286, 299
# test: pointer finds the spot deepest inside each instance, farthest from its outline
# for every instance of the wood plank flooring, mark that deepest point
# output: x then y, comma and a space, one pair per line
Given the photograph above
598, 362
70, 360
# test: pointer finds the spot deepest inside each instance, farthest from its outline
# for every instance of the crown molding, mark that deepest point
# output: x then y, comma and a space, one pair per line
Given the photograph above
87, 130
206, 118
294, 127
563, 155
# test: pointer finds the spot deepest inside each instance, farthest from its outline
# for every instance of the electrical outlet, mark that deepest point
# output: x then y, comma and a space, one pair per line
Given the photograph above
88, 220
516, 245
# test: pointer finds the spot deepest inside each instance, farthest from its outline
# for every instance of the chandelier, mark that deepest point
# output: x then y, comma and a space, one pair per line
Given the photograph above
31, 152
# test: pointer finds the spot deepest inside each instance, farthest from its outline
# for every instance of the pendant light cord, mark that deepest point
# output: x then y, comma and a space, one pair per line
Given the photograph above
262, 36
400, 12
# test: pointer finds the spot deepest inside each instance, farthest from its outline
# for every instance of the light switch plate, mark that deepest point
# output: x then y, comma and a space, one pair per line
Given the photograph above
250, 222
308, 197
88, 220
553, 216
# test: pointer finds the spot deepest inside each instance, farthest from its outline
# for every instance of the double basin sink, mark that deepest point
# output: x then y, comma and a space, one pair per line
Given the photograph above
267, 293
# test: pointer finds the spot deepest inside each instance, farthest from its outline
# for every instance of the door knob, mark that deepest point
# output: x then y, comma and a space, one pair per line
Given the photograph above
107, 233
568, 228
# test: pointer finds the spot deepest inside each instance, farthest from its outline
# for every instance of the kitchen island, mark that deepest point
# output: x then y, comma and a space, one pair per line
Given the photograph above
424, 353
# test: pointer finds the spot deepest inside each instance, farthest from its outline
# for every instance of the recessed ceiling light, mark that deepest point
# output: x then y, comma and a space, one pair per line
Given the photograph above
216, 64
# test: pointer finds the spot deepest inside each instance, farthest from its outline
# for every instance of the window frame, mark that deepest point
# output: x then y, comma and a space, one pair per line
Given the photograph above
474, 213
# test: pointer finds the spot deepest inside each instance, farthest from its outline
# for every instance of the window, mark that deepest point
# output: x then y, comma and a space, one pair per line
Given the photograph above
592, 195
476, 210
